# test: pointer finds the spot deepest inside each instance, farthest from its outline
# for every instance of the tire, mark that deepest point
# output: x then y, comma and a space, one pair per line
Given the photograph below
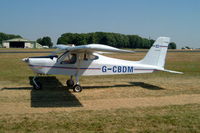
70, 83
38, 86
77, 88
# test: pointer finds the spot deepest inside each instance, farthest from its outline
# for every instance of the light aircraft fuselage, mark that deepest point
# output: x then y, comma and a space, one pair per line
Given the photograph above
85, 60
99, 65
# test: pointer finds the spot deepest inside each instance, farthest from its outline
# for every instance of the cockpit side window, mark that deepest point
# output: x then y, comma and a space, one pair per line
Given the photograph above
90, 57
69, 59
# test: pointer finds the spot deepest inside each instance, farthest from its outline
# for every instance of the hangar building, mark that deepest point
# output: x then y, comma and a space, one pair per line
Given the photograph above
20, 43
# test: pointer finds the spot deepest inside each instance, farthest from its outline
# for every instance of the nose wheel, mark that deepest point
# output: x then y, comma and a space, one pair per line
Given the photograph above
36, 85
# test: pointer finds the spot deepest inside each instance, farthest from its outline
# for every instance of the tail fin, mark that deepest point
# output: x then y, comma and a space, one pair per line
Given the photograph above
157, 53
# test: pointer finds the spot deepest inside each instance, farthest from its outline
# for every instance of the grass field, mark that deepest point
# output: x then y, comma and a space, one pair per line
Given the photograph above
158, 102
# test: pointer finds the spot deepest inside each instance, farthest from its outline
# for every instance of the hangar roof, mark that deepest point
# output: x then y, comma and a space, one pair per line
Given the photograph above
18, 40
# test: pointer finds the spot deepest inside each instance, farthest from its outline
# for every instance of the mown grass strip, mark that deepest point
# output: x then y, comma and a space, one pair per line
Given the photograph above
180, 118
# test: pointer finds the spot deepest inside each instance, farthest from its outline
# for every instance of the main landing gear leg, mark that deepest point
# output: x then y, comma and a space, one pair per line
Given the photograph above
36, 85
70, 82
77, 87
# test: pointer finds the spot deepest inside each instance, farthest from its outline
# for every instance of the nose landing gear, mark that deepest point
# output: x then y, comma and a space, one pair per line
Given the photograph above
36, 85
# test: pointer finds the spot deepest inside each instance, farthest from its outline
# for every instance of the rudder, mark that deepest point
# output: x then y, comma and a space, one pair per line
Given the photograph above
157, 53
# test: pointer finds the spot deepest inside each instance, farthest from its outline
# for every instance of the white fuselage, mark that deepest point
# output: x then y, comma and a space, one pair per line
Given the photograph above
83, 60
100, 65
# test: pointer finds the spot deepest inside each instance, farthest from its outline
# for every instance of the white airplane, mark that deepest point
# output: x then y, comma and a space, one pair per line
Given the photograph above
86, 60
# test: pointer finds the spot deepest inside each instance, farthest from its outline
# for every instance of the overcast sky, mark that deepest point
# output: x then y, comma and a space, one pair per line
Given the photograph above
32, 19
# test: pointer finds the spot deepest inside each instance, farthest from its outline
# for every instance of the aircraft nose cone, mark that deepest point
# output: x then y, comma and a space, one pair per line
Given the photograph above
25, 60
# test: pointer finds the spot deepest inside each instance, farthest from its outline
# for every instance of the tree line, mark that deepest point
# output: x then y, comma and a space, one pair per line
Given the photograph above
112, 39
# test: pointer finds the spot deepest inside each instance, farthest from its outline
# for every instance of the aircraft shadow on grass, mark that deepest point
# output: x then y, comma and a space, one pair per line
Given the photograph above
131, 84
53, 94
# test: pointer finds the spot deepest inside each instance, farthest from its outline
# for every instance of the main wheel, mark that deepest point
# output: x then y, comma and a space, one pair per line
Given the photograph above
70, 83
77, 88
38, 86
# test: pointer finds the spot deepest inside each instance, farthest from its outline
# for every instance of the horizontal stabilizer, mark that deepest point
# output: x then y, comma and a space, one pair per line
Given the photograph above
165, 70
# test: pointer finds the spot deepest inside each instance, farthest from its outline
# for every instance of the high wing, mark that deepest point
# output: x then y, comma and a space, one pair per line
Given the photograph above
90, 48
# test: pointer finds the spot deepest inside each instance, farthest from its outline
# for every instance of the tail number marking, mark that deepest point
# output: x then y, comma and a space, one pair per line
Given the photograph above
118, 69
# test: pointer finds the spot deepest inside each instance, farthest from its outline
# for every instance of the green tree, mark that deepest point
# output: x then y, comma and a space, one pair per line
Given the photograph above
45, 41
172, 45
